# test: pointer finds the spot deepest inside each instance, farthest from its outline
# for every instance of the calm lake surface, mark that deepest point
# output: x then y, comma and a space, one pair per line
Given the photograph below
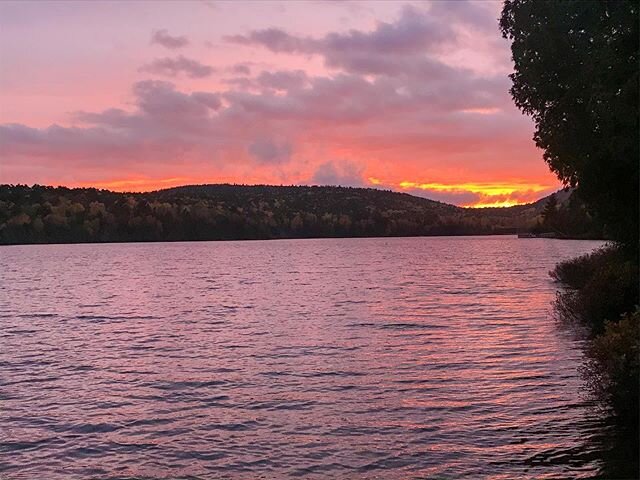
333, 358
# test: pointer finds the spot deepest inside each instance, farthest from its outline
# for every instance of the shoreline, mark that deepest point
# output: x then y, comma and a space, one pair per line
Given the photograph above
109, 242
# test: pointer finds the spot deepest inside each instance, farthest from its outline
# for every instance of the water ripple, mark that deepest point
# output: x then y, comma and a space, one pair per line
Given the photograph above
353, 358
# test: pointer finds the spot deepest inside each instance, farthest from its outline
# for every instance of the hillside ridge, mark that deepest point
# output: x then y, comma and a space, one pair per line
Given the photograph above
42, 214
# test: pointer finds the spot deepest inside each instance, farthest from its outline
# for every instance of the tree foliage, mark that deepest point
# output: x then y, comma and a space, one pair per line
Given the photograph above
569, 218
40, 214
576, 75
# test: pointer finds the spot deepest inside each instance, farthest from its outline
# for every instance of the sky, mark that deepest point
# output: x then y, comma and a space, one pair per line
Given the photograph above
136, 96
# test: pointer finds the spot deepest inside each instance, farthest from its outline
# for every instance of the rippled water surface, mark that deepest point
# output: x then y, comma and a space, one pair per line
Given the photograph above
335, 358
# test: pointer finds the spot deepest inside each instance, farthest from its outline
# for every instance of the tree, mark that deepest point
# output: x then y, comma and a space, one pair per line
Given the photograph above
576, 75
550, 212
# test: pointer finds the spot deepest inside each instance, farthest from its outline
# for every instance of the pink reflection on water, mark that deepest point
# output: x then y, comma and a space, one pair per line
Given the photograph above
350, 358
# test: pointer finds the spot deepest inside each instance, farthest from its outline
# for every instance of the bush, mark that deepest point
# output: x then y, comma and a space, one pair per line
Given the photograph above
602, 291
602, 286
614, 364
577, 271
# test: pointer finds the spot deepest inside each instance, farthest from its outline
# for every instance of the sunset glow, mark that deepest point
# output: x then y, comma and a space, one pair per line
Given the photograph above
368, 94
484, 189
318, 239
497, 203
137, 184
489, 195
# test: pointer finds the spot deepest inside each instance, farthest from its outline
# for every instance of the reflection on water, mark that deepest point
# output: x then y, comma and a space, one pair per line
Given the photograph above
351, 358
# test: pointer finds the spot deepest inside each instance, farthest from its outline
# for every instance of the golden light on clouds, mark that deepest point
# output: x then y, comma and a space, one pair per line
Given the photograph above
138, 184
255, 114
498, 203
481, 111
465, 194
489, 194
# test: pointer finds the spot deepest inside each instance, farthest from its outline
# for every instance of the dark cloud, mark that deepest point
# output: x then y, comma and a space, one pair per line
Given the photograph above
162, 37
68, 144
241, 69
283, 80
413, 45
451, 197
350, 99
343, 173
392, 100
276, 40
342, 99
165, 124
241, 83
421, 117
413, 34
466, 12
210, 4
269, 151
172, 67
161, 99
161, 110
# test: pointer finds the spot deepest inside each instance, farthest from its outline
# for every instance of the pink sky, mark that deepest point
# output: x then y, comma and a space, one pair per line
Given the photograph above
141, 95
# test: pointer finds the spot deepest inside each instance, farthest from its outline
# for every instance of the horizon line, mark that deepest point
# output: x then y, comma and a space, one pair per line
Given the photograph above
282, 185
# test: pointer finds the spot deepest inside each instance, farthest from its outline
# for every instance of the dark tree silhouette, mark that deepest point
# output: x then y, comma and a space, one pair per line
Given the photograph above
576, 75
550, 212
40, 214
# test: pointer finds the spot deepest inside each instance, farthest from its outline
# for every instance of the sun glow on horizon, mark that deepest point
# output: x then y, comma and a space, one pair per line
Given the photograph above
467, 194
496, 204
490, 194
199, 106
483, 188
137, 184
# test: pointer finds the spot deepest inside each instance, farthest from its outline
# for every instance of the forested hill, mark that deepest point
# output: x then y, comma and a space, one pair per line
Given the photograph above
41, 214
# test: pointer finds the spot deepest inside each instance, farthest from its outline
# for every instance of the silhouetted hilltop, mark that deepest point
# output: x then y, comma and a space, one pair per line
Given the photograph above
41, 214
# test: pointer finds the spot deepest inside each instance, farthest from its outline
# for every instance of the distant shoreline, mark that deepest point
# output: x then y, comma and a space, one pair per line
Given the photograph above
59, 215
116, 242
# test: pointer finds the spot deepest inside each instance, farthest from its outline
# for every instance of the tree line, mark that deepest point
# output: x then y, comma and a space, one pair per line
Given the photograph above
42, 214
577, 75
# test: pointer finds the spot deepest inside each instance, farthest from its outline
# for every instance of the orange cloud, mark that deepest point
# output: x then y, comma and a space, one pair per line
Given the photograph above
503, 194
138, 184
498, 203
468, 194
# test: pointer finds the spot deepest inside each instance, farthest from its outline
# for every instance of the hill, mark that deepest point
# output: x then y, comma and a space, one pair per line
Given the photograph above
41, 214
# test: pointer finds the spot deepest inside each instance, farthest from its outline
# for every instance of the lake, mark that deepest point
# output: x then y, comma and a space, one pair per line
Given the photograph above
343, 358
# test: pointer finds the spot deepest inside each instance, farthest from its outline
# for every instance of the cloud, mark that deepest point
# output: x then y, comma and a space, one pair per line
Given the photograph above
163, 38
478, 194
172, 67
276, 40
419, 39
346, 116
414, 33
343, 173
269, 151
166, 125
283, 80
162, 114
210, 4
475, 14
69, 144
390, 107
241, 69
452, 197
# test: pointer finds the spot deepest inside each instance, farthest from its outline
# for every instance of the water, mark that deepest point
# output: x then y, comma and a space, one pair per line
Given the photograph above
340, 358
